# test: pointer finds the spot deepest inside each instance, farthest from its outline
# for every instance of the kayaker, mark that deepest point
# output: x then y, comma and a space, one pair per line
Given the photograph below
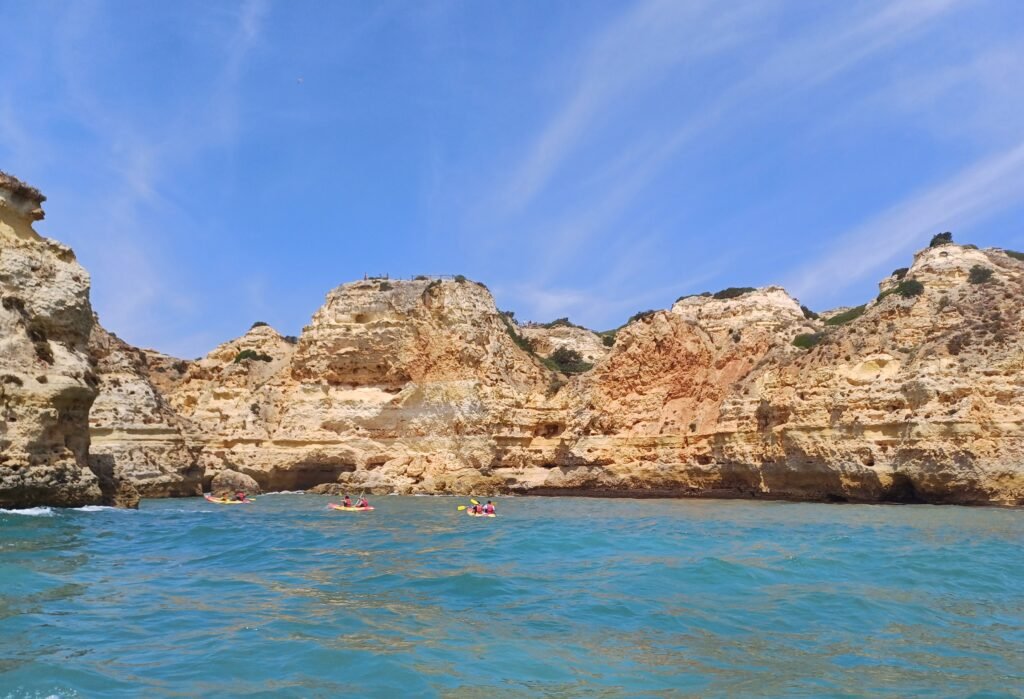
363, 503
240, 496
489, 508
347, 502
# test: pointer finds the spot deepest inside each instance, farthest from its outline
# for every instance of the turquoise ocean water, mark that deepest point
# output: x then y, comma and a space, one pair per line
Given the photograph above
556, 597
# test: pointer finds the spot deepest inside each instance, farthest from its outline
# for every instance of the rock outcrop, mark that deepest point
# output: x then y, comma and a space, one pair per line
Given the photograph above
546, 339
136, 437
46, 382
227, 482
395, 385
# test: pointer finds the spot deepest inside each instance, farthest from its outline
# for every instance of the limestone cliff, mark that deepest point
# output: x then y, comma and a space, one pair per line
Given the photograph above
424, 386
918, 399
46, 382
136, 436
553, 336
394, 385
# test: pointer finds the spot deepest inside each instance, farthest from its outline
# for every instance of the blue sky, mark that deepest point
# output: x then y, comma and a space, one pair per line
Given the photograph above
213, 164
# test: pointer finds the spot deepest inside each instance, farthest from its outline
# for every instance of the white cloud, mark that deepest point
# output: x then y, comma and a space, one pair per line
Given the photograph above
636, 50
666, 36
979, 191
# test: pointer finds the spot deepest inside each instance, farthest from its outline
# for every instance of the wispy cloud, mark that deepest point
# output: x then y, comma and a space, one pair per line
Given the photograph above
979, 191
649, 46
636, 50
134, 286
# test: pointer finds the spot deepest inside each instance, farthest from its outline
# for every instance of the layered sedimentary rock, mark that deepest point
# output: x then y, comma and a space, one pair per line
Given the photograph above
423, 386
394, 385
917, 399
136, 436
546, 339
46, 382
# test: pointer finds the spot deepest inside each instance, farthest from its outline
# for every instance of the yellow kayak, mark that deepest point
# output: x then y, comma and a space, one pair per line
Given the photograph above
225, 501
480, 514
335, 506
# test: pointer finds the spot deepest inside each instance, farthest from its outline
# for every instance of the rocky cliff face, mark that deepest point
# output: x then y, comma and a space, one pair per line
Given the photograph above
46, 382
394, 385
423, 386
136, 436
918, 399
547, 339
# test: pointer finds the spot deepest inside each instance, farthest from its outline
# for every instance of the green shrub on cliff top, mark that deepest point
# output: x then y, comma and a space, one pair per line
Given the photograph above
640, 316
906, 288
807, 340
567, 361
733, 292
979, 275
1015, 255
808, 313
941, 239
252, 354
846, 316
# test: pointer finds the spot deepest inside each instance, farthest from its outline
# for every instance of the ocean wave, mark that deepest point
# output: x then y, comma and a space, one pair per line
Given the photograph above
30, 512
283, 492
96, 508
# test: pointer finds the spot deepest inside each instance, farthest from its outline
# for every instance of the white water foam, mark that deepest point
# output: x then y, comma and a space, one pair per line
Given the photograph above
30, 512
96, 508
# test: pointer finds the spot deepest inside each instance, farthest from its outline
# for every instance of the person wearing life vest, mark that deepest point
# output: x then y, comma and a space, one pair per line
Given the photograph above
347, 502
489, 508
240, 496
363, 503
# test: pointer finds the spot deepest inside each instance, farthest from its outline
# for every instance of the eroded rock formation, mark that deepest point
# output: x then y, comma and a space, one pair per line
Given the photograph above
424, 386
46, 382
136, 437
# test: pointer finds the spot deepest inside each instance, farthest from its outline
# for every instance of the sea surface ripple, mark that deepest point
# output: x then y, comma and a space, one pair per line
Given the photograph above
555, 597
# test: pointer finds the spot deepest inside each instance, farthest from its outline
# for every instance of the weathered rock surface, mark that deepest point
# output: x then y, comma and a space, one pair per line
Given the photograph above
419, 387
46, 382
548, 338
423, 386
918, 399
135, 435
393, 386
227, 482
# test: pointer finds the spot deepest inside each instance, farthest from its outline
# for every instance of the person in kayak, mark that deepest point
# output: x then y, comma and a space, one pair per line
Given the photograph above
347, 502
489, 508
363, 502
240, 496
